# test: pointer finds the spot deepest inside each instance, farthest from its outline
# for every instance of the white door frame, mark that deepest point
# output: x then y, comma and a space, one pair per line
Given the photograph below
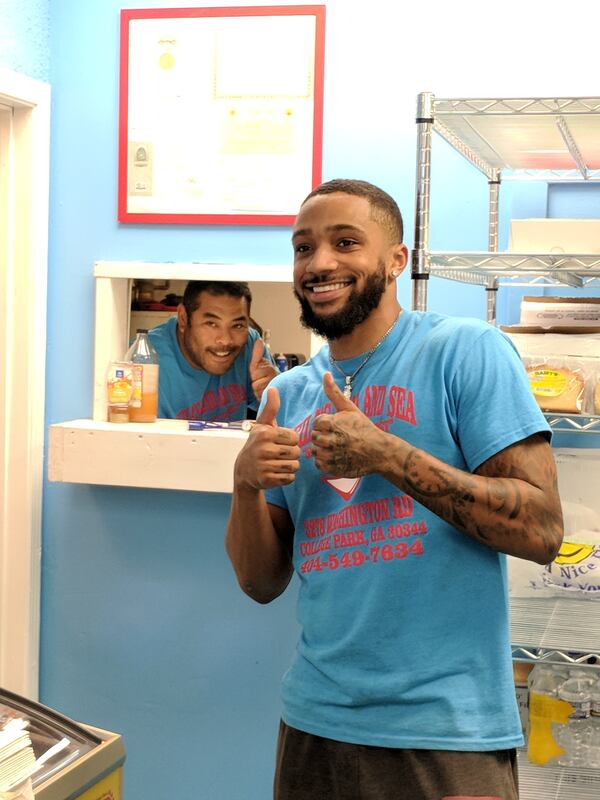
24, 189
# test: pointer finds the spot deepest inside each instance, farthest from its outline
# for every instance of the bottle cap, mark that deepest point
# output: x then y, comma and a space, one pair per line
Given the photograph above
281, 362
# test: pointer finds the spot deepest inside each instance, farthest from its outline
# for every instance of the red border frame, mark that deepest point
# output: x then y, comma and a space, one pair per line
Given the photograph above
235, 11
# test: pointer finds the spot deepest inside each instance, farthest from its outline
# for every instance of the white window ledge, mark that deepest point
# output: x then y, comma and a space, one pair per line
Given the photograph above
157, 455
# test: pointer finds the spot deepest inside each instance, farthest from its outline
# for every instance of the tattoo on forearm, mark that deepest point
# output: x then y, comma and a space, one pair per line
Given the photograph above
436, 484
505, 515
504, 498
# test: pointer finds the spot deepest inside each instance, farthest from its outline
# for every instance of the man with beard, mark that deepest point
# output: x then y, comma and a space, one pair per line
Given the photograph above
392, 472
213, 365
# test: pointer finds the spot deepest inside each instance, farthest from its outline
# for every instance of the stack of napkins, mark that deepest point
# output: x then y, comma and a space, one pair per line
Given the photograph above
17, 759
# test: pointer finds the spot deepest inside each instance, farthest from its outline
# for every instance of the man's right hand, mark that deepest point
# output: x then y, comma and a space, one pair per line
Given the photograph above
271, 456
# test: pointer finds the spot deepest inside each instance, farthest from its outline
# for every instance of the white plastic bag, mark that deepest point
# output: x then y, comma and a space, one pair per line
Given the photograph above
575, 572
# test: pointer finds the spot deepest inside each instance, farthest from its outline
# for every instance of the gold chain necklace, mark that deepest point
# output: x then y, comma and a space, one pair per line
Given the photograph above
347, 390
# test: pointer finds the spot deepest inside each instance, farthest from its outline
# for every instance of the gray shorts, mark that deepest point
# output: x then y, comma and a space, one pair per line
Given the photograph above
313, 768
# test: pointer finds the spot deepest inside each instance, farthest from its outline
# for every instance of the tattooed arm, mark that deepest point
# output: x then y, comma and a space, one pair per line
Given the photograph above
510, 503
259, 535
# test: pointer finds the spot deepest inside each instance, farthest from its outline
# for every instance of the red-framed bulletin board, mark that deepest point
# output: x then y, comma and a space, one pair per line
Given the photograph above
220, 113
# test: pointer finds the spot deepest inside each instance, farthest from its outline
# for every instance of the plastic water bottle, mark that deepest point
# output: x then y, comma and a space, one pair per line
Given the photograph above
545, 679
143, 406
595, 725
576, 736
577, 691
266, 337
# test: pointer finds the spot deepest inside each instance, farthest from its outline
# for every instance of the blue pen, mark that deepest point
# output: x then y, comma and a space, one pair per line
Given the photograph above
202, 425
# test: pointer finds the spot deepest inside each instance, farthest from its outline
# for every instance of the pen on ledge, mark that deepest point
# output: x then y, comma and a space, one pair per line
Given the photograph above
202, 424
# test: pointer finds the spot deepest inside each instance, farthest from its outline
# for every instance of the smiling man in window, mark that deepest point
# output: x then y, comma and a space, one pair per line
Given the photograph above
213, 363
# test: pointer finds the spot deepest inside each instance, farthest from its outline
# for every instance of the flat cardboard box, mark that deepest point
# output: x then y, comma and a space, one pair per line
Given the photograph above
571, 236
548, 310
545, 342
575, 330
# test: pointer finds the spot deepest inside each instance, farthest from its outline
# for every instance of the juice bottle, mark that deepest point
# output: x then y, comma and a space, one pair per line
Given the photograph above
144, 403
119, 390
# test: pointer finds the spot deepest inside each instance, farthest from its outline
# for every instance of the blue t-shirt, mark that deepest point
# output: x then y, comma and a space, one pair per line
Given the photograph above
185, 392
404, 620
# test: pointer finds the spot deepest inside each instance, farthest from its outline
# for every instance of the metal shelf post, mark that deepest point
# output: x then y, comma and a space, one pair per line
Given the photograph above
420, 267
491, 288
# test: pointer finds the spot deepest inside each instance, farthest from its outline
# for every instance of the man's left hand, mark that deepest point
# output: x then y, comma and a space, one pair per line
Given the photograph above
346, 444
261, 370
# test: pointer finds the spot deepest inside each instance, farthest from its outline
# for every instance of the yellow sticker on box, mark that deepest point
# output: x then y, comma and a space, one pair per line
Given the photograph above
548, 382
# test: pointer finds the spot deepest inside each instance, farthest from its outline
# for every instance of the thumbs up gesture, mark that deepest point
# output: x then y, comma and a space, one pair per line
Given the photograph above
271, 456
260, 369
268, 415
346, 444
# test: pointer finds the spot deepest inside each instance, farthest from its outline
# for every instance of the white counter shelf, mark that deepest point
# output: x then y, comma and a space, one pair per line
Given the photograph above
165, 455
156, 455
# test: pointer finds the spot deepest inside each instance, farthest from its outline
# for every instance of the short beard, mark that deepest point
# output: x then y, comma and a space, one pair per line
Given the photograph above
191, 356
357, 309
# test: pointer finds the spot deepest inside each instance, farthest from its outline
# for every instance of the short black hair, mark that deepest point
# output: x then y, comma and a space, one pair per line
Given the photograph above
195, 288
384, 208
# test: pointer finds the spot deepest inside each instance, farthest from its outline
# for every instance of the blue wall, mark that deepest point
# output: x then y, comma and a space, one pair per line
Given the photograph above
143, 628
575, 201
24, 37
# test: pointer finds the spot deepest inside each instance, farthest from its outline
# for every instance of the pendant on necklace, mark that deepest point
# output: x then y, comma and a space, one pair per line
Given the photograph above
348, 388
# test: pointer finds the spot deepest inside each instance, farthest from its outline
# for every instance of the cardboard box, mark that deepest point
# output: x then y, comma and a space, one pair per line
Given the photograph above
561, 311
572, 236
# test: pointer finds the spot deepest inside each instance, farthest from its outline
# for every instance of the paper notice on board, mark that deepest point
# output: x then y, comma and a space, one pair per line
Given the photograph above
279, 60
258, 129
139, 174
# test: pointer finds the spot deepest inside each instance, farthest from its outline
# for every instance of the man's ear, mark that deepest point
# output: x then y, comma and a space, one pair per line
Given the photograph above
182, 317
399, 260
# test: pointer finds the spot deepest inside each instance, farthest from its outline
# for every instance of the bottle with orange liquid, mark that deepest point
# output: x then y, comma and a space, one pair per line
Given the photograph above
143, 405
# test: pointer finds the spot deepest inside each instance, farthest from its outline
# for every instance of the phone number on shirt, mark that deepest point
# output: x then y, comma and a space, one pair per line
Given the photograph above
356, 558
